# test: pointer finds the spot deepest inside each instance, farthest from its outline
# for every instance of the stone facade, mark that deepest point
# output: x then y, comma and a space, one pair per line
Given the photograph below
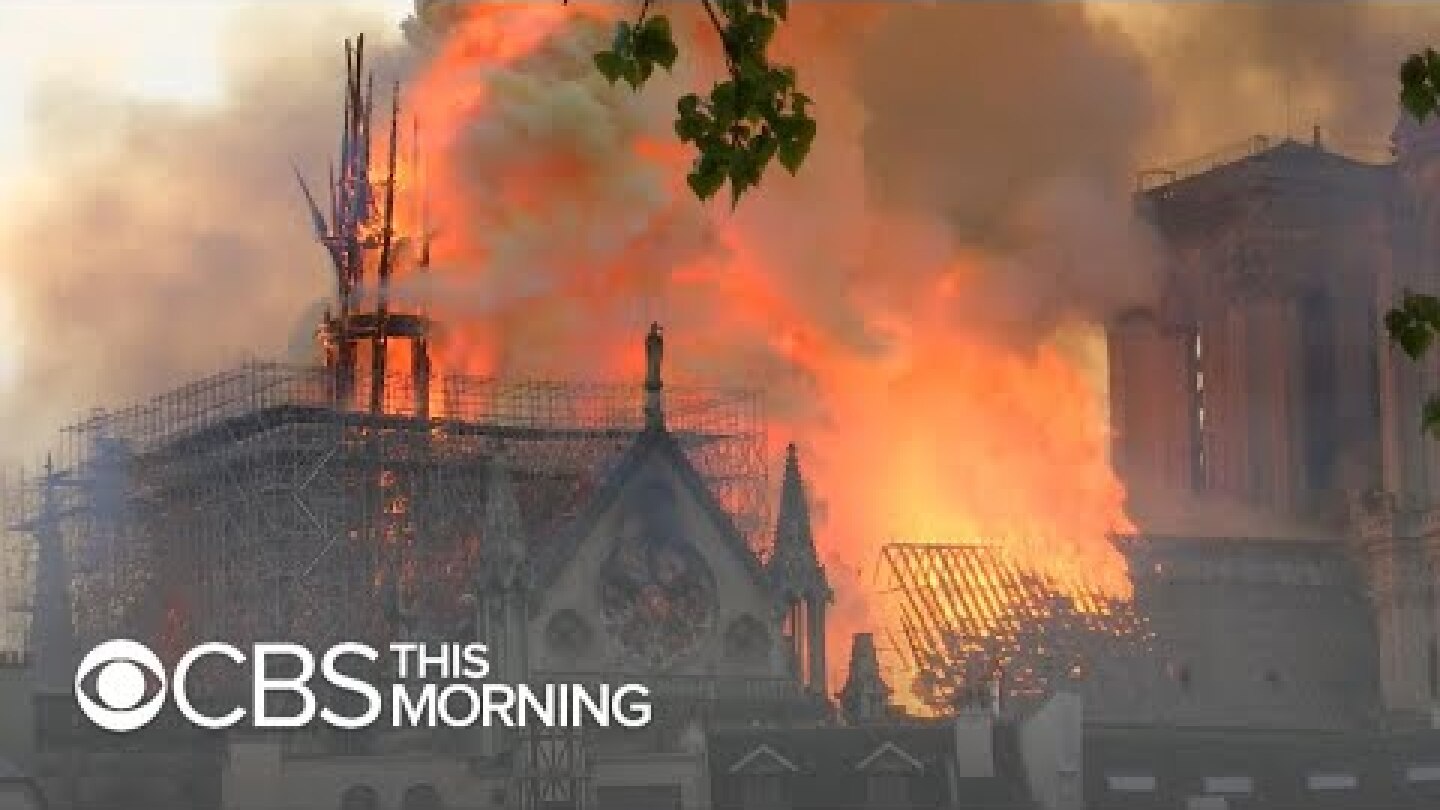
1263, 384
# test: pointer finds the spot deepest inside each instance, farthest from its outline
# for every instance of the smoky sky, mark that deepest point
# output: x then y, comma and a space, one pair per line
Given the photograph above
152, 242
1018, 124
155, 242
1230, 70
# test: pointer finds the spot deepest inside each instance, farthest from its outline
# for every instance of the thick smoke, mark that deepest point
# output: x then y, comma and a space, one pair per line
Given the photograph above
1019, 124
926, 152
1227, 71
552, 227
152, 242
143, 218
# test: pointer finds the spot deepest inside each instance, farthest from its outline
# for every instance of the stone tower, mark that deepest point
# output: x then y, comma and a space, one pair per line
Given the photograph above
1400, 538
798, 578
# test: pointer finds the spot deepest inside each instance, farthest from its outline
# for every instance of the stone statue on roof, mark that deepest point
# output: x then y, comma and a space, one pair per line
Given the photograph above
654, 355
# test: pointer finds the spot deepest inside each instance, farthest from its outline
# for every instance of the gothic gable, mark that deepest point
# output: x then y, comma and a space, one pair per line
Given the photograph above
654, 579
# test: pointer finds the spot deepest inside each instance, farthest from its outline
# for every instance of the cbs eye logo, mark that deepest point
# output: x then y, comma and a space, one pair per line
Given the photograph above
123, 671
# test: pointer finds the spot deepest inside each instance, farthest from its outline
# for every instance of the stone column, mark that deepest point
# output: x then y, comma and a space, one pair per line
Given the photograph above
1395, 573
815, 644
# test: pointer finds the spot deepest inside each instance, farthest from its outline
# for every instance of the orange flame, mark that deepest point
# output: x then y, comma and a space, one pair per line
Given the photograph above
942, 432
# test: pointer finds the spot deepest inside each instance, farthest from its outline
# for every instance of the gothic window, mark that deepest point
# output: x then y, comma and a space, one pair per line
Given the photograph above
888, 791
421, 797
568, 634
360, 797
747, 641
657, 594
764, 791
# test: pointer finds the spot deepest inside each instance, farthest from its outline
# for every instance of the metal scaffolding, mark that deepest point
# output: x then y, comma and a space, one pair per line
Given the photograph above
343, 502
974, 625
17, 565
249, 506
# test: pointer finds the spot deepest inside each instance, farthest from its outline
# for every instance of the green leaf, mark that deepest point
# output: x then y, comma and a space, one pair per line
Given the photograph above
1417, 100
691, 124
610, 65
1396, 322
707, 178
1424, 308
1419, 80
1414, 71
654, 43
736, 192
1415, 340
764, 148
795, 142
784, 78
792, 154
724, 104
1430, 416
657, 26
748, 120
733, 9
753, 33
624, 38
747, 92
631, 71
764, 31
666, 54
1432, 68
808, 129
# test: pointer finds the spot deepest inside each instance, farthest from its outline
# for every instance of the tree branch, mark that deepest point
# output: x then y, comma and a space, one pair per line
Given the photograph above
720, 31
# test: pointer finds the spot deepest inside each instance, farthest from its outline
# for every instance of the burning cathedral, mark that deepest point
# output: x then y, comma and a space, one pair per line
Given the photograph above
615, 533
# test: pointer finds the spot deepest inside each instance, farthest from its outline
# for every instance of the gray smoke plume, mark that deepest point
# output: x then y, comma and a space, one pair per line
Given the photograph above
1020, 125
1227, 71
154, 242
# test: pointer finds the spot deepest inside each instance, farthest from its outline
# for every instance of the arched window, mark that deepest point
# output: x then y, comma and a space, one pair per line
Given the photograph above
421, 797
360, 797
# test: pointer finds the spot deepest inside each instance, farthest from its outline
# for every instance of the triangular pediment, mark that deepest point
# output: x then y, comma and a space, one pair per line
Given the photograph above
654, 451
763, 760
890, 758
653, 578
